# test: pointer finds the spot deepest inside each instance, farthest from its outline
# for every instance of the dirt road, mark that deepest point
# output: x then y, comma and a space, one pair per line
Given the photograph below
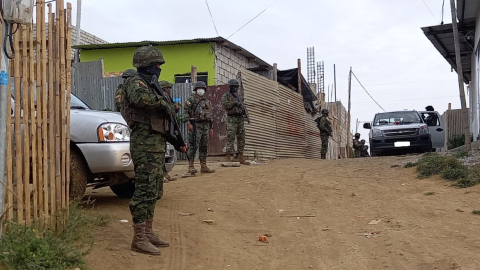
340, 198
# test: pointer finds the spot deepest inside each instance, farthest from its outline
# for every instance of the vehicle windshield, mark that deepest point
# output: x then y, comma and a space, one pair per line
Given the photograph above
396, 118
76, 103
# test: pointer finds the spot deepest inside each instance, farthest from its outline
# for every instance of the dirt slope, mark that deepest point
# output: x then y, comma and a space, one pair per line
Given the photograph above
416, 231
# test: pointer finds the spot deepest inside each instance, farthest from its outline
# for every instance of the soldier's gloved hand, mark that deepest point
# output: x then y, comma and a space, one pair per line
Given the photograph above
166, 107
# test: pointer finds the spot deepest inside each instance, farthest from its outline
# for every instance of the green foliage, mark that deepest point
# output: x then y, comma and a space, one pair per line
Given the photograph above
457, 141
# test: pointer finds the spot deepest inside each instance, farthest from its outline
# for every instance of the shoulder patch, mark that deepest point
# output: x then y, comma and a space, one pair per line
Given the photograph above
142, 84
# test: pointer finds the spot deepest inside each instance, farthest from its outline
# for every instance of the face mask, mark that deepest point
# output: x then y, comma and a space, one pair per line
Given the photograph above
150, 70
234, 88
200, 92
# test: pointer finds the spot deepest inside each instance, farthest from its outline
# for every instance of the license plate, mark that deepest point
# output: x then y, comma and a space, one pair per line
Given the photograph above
402, 144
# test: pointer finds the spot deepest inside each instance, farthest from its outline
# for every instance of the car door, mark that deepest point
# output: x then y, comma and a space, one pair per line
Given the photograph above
436, 128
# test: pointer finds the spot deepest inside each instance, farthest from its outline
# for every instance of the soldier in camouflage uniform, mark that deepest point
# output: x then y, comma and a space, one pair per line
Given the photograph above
167, 88
120, 91
357, 146
364, 152
235, 125
200, 117
325, 128
145, 112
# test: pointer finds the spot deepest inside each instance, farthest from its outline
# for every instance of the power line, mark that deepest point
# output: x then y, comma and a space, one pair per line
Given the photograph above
252, 19
367, 91
212, 18
430, 10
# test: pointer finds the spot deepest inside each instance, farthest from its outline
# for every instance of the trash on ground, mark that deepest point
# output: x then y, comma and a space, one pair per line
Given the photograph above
209, 221
123, 221
374, 222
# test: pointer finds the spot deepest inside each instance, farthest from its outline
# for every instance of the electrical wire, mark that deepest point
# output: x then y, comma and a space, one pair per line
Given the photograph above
429, 10
443, 4
252, 19
367, 91
8, 36
212, 18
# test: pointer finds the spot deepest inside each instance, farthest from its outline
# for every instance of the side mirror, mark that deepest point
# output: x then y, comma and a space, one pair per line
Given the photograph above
367, 126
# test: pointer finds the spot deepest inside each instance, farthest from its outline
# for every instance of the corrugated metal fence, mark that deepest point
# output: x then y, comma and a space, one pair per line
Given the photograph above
91, 87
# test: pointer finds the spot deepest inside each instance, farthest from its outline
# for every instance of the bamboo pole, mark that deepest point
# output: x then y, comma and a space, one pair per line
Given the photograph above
51, 111
466, 117
69, 84
57, 114
45, 114
33, 119
63, 116
39, 108
18, 136
26, 126
9, 154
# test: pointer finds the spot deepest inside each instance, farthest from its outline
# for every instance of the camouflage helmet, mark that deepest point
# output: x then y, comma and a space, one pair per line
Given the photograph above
357, 135
362, 141
129, 73
199, 84
325, 111
165, 84
146, 56
233, 82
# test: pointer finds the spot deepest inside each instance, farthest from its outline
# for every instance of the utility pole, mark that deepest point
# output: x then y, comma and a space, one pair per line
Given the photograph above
77, 32
349, 103
466, 119
4, 94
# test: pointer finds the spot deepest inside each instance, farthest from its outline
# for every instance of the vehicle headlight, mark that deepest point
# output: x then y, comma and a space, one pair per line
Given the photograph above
376, 133
423, 130
113, 132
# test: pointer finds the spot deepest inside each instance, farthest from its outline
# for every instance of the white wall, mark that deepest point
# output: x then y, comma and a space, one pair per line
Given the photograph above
475, 83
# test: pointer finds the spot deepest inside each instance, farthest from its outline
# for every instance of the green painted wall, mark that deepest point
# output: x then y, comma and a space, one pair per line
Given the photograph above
178, 59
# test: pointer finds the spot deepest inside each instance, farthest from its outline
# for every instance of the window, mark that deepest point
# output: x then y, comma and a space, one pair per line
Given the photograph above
396, 118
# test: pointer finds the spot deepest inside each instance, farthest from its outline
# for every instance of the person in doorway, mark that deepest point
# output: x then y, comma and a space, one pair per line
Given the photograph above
325, 128
200, 128
147, 115
235, 122
432, 118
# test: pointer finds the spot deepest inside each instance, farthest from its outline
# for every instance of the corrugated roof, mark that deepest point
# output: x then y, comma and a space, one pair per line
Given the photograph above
442, 39
229, 44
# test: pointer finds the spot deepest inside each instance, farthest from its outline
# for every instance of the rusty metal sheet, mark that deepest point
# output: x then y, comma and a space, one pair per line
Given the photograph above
217, 143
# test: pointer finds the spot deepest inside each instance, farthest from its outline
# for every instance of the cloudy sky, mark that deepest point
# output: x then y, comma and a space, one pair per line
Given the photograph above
381, 40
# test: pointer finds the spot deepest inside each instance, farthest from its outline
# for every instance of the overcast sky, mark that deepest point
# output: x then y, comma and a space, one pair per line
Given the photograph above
381, 40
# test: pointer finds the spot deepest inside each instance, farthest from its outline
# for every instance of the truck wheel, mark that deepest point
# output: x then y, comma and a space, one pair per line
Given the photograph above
124, 190
78, 176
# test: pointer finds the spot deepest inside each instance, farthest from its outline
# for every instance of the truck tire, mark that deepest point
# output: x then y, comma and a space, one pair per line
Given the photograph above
78, 176
124, 190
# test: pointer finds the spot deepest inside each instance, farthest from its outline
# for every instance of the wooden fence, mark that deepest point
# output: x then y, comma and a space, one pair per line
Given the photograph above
38, 133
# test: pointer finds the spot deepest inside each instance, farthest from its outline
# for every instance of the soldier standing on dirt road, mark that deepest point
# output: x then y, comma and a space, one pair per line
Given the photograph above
174, 108
357, 146
325, 128
200, 127
147, 113
235, 122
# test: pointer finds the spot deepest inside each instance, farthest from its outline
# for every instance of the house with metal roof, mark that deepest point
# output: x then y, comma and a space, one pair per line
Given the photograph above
442, 38
217, 59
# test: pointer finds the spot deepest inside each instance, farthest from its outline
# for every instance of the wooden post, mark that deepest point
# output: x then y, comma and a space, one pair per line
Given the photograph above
299, 76
193, 74
349, 105
448, 126
68, 93
46, 202
9, 156
57, 114
33, 118
62, 102
275, 72
466, 117
18, 135
40, 115
51, 111
335, 81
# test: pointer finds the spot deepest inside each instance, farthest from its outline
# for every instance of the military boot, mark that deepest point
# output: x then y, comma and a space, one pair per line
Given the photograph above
228, 158
169, 178
204, 168
191, 167
140, 242
154, 240
242, 159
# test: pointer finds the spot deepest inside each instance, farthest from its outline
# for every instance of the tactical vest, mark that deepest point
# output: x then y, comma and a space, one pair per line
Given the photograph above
235, 110
133, 115
203, 111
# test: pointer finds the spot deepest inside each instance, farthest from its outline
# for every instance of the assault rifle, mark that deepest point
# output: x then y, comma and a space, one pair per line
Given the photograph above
240, 103
175, 136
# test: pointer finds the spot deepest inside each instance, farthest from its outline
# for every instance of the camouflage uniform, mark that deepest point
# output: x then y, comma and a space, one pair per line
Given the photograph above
167, 88
144, 111
235, 123
357, 146
129, 73
200, 114
325, 128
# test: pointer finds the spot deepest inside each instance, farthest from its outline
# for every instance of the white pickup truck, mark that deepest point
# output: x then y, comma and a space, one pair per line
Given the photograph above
95, 160
405, 131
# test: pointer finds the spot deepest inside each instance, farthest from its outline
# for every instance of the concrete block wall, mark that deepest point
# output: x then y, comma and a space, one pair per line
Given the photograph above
227, 64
